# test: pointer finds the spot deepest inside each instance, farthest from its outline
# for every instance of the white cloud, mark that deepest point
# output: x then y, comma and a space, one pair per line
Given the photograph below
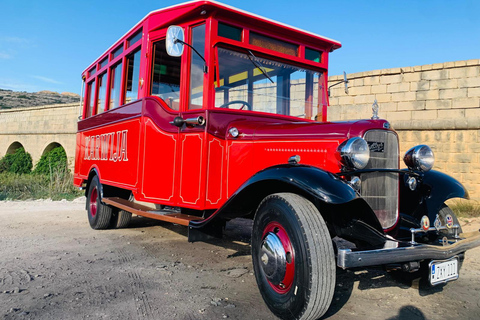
45, 79
15, 40
10, 84
4, 55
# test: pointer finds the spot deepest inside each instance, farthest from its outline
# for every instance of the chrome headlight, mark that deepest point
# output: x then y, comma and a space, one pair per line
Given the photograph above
354, 153
419, 158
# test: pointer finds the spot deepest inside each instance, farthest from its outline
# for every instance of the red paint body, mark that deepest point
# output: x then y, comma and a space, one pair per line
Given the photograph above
135, 146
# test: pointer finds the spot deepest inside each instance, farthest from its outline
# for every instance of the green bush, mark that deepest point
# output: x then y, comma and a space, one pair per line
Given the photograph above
53, 161
20, 162
37, 186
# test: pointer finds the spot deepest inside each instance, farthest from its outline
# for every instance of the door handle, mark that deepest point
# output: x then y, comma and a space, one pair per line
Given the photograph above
190, 122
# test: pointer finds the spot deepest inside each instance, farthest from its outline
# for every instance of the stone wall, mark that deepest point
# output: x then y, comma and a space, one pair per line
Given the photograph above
437, 104
38, 127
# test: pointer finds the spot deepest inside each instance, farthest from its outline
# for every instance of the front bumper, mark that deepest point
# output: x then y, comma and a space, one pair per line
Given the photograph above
396, 252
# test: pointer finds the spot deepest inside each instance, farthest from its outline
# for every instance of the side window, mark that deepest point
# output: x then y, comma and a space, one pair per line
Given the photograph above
196, 68
133, 72
116, 76
102, 83
165, 76
90, 99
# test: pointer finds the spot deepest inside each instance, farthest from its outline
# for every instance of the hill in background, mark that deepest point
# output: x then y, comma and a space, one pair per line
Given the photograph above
12, 99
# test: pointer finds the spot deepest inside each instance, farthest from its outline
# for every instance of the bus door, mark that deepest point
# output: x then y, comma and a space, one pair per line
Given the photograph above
173, 169
192, 136
160, 137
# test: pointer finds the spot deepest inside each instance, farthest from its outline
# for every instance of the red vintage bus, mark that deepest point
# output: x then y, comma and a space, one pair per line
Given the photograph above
202, 113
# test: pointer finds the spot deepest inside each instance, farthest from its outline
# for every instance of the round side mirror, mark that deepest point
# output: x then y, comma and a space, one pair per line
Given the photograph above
174, 41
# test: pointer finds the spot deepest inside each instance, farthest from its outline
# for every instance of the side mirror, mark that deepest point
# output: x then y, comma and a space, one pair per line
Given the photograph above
174, 41
345, 80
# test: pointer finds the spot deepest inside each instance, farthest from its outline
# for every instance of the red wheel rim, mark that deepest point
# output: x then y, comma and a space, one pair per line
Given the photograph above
285, 285
93, 202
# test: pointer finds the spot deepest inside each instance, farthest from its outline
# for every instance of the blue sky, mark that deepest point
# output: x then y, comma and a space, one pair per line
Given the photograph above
45, 45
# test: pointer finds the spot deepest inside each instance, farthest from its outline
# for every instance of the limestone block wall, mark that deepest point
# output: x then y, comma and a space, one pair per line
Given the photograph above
437, 104
37, 127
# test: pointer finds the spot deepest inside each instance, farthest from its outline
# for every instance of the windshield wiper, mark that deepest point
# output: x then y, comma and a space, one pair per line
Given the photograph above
259, 66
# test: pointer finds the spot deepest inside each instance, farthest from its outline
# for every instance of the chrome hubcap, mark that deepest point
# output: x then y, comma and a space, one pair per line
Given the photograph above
274, 258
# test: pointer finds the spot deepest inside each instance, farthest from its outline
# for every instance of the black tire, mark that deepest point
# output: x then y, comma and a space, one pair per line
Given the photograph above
442, 216
99, 214
307, 285
121, 219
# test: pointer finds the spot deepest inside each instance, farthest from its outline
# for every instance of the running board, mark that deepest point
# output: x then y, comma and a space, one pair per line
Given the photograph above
144, 211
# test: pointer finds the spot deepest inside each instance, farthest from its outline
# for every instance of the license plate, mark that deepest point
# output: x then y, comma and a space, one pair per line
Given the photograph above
443, 271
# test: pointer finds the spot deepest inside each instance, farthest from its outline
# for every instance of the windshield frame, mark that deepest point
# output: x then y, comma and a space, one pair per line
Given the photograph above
317, 110
242, 44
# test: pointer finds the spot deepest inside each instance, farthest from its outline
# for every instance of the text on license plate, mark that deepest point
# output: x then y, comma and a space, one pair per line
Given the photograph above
443, 271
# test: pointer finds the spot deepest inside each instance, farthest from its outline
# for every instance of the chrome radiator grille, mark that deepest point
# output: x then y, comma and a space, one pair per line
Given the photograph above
380, 189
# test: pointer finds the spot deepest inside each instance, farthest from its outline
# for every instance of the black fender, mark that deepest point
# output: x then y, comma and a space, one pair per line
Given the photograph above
433, 189
345, 212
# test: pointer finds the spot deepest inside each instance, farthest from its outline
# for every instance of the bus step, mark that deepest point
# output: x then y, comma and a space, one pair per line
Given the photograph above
144, 211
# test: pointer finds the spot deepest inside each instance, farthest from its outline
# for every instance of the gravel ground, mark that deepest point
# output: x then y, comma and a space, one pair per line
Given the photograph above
53, 266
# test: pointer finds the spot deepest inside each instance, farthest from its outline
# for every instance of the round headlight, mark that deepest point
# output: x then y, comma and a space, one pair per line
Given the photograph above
419, 158
354, 153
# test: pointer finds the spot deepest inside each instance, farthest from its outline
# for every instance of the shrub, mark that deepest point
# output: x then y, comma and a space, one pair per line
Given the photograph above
53, 161
20, 162
37, 186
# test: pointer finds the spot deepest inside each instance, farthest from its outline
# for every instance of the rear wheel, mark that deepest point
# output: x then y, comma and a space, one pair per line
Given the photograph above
99, 214
293, 257
121, 219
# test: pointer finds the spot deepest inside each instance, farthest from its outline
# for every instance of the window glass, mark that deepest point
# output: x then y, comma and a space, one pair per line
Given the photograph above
313, 55
116, 76
137, 36
196, 68
117, 52
90, 98
133, 73
83, 92
93, 71
165, 76
253, 83
104, 62
273, 44
102, 83
230, 32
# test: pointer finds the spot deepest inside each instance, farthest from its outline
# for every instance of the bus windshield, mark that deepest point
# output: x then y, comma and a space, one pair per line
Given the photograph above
249, 82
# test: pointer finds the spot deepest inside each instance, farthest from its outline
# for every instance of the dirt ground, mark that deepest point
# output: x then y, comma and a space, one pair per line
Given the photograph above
54, 266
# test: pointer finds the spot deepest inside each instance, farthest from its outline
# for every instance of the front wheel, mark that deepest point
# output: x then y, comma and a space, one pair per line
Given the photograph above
293, 257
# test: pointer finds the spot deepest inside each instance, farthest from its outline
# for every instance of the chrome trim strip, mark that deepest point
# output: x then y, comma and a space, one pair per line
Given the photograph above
395, 252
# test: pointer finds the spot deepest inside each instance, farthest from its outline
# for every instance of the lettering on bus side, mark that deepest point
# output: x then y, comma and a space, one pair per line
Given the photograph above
110, 146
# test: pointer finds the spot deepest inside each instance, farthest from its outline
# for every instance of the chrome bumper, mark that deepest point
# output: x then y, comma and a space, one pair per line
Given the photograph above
395, 252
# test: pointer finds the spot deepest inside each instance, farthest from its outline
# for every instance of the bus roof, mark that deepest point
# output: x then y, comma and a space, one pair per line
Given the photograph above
197, 3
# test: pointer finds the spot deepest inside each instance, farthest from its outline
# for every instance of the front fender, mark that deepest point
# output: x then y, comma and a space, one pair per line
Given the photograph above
442, 187
433, 190
345, 212
310, 182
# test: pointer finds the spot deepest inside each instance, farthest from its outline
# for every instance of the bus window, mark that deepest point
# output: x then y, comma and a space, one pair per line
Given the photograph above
133, 72
90, 98
196, 68
102, 83
116, 76
165, 76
